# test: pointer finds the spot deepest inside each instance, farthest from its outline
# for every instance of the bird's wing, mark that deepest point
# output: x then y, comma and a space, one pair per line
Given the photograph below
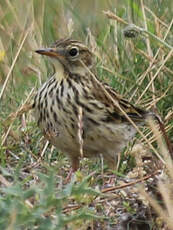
115, 103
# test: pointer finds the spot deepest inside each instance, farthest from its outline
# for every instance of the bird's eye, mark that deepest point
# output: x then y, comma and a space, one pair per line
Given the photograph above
73, 52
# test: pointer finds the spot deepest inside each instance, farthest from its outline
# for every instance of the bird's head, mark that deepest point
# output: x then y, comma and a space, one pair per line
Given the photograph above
71, 54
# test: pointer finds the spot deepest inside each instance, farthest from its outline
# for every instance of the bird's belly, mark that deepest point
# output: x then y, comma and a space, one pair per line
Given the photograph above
109, 139
106, 139
59, 134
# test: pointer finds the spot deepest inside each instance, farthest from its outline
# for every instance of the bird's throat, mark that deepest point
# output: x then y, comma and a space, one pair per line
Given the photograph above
59, 70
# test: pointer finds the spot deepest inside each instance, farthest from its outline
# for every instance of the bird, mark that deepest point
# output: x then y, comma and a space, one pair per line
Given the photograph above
74, 98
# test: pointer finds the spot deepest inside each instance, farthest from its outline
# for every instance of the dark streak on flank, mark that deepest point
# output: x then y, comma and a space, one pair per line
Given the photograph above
85, 107
55, 117
93, 121
62, 88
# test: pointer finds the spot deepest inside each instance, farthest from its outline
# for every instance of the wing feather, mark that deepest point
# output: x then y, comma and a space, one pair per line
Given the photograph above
110, 98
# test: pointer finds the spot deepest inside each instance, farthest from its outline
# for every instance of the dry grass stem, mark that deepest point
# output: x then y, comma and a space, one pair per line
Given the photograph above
25, 107
150, 53
44, 149
155, 75
162, 147
80, 130
13, 64
131, 183
158, 19
111, 15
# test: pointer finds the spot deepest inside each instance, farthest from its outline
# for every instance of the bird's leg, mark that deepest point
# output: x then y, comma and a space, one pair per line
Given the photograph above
75, 163
112, 165
73, 169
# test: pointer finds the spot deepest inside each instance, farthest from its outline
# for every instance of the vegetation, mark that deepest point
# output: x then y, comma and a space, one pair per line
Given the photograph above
132, 41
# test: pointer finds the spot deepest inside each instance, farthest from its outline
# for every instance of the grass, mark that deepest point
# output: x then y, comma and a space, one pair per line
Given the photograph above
137, 62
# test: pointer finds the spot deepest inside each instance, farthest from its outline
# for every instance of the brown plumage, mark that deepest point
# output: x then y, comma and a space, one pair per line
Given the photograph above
106, 130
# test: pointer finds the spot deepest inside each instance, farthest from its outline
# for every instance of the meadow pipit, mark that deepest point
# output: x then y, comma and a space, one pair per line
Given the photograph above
73, 88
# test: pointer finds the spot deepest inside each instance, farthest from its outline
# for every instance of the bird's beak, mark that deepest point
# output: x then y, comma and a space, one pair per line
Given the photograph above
51, 52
